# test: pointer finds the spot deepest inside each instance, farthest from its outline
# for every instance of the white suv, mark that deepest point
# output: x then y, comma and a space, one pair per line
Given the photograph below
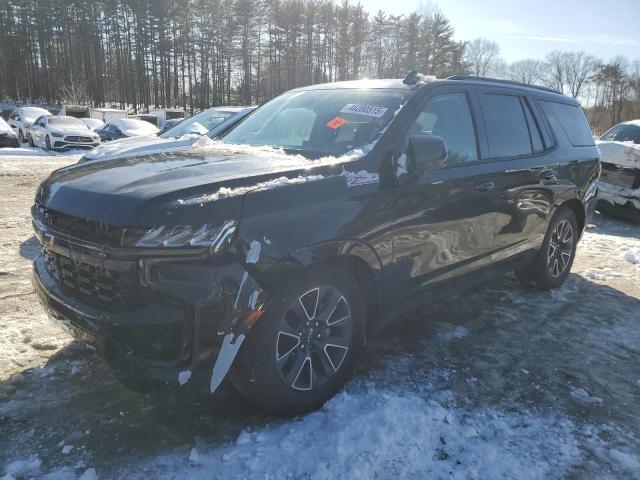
53, 132
22, 118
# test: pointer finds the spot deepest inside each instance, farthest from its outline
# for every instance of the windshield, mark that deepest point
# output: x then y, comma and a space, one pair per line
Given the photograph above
320, 122
65, 122
623, 133
198, 124
31, 114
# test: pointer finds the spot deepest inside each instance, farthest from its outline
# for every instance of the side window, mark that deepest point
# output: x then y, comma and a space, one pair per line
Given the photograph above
534, 128
572, 122
448, 116
507, 129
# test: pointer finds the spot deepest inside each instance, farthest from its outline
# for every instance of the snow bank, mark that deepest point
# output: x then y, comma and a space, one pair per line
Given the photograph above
376, 434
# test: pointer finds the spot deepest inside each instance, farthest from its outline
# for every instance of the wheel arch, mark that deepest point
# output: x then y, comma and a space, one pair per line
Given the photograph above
577, 207
355, 257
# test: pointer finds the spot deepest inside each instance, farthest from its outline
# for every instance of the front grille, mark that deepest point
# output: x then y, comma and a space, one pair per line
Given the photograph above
90, 230
78, 139
93, 283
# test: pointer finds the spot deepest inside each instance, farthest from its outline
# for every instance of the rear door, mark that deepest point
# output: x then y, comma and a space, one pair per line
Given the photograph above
520, 141
445, 218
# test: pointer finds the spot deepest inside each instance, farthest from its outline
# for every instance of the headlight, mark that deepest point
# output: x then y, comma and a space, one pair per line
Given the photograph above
57, 135
206, 235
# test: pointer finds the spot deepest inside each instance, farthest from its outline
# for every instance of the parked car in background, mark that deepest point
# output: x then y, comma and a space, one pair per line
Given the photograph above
54, 132
92, 123
169, 124
21, 119
620, 181
311, 225
8, 139
211, 122
124, 128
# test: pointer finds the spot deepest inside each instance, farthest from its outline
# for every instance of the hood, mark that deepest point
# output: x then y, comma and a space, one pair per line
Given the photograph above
71, 130
136, 146
138, 132
155, 190
623, 154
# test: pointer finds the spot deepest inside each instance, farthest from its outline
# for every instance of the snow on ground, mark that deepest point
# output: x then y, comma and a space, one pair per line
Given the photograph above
505, 382
384, 434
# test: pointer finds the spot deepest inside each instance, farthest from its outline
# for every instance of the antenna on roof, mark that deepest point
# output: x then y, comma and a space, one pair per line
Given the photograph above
412, 78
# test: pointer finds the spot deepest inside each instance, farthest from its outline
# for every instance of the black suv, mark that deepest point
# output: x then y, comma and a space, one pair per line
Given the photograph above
273, 254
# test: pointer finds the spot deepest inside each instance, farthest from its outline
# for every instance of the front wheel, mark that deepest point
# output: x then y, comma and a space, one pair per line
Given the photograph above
47, 143
20, 137
553, 262
303, 349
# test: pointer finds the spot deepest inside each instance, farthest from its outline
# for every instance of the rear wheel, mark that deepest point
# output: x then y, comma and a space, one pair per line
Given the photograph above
553, 262
303, 349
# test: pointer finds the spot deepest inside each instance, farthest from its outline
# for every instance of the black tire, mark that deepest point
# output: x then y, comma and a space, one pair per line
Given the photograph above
30, 142
47, 143
260, 370
554, 260
20, 136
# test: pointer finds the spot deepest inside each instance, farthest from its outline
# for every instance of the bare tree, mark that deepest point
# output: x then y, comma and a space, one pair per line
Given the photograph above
579, 70
529, 71
481, 55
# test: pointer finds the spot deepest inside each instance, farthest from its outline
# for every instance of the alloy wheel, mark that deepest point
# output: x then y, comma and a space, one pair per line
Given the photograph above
560, 249
313, 338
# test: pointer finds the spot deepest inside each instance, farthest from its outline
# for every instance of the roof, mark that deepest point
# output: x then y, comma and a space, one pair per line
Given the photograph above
394, 83
631, 122
383, 83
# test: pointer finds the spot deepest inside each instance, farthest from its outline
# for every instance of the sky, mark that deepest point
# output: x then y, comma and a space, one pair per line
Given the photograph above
532, 28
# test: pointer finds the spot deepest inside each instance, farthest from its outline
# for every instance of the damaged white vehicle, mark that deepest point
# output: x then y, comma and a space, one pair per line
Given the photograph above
619, 193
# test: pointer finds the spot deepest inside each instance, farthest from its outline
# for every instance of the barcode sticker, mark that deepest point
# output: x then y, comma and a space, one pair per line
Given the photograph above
368, 110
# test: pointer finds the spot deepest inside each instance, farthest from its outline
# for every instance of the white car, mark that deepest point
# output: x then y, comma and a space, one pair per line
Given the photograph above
211, 122
54, 132
92, 123
619, 187
22, 118
7, 137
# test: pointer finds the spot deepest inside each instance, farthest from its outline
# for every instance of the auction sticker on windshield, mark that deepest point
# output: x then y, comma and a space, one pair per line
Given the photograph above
368, 110
336, 122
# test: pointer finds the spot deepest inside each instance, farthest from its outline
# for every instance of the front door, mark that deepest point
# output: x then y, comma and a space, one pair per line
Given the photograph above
445, 219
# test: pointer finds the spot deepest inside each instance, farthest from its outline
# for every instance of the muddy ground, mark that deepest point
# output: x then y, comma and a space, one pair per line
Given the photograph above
570, 357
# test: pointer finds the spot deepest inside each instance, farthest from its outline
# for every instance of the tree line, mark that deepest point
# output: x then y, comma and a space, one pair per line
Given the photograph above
141, 54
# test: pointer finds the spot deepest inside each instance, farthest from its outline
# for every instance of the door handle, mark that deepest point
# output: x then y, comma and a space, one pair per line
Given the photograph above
483, 186
547, 174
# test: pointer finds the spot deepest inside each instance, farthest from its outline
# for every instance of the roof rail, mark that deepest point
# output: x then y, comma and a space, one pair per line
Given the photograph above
507, 82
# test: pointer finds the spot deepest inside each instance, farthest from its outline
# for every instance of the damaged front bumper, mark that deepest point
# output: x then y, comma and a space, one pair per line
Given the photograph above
619, 200
182, 328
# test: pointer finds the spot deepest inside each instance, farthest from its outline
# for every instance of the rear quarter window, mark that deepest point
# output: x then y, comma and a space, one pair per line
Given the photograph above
571, 120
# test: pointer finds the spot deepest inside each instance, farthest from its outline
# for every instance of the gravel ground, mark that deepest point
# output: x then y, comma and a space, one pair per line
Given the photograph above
510, 383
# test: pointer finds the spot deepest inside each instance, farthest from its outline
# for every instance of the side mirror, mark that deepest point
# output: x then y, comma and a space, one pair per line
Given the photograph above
426, 152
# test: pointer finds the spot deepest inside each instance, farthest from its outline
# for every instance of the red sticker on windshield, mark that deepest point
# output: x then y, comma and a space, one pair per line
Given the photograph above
336, 122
